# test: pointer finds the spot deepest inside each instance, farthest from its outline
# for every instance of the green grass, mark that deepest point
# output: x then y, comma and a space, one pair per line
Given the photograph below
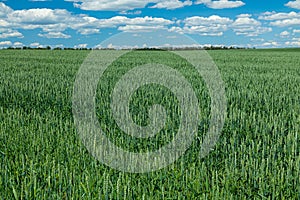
257, 156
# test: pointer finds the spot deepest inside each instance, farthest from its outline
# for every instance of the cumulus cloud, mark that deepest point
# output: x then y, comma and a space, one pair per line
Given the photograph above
117, 5
278, 16
270, 44
88, 31
284, 34
139, 28
124, 5
136, 12
135, 21
4, 9
215, 25
245, 20
7, 33
38, 16
138, 24
3, 23
296, 31
5, 43
293, 4
257, 39
245, 25
286, 22
35, 44
206, 26
295, 42
281, 19
172, 4
18, 44
54, 35
81, 46
221, 4
211, 20
54, 22
244, 16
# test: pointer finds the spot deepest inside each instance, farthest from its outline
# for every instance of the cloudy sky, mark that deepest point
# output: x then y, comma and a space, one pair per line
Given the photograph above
85, 23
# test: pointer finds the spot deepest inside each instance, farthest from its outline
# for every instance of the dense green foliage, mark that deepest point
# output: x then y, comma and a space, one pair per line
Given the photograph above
257, 156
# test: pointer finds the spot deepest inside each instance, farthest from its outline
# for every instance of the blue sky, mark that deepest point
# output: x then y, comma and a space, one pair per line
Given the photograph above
86, 23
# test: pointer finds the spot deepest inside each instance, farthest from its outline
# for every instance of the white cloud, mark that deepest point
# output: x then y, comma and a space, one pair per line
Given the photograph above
3, 23
270, 44
5, 43
39, 16
89, 31
281, 19
296, 31
117, 5
35, 44
295, 42
244, 16
81, 46
221, 4
138, 24
257, 39
293, 4
137, 12
4, 9
278, 16
252, 31
286, 22
245, 25
176, 29
137, 21
125, 5
18, 44
284, 34
54, 35
120, 21
216, 25
207, 26
211, 20
202, 1
54, 22
200, 30
139, 28
172, 4
112, 46
58, 46
10, 33
212, 34
245, 21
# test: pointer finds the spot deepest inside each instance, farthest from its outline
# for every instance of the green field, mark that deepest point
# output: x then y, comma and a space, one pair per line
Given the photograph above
256, 157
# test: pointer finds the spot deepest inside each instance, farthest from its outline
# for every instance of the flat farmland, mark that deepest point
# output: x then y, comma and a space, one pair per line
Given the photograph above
256, 157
